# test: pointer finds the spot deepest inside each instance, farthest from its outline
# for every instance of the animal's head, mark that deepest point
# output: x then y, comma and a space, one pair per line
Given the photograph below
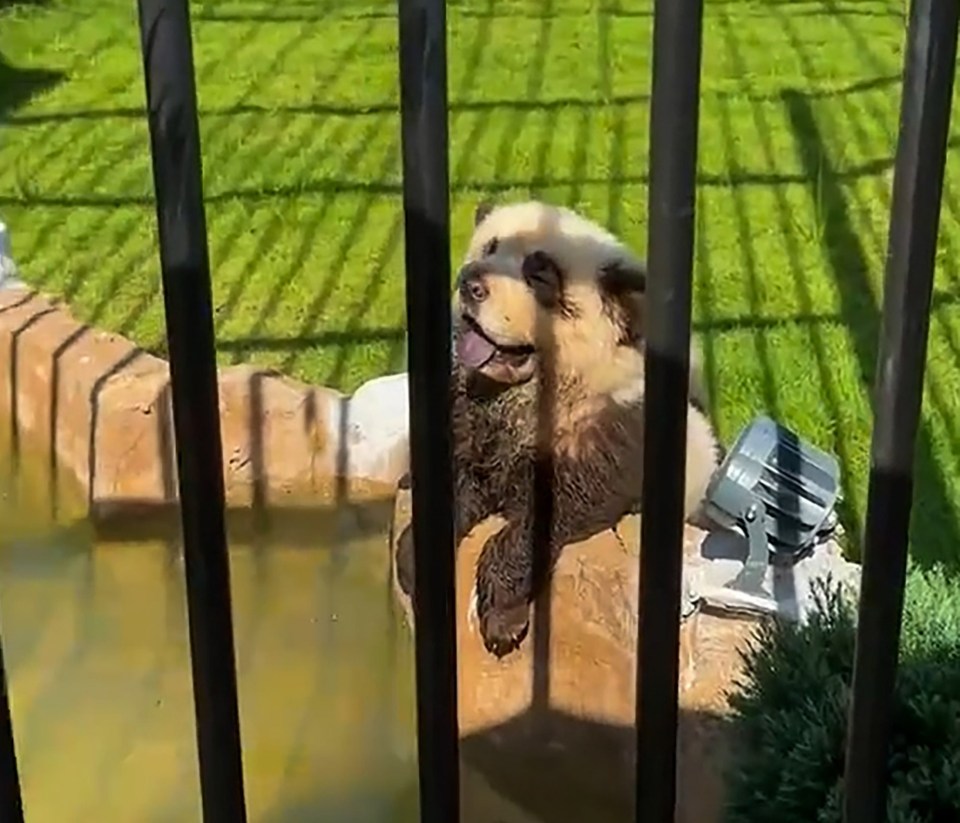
543, 285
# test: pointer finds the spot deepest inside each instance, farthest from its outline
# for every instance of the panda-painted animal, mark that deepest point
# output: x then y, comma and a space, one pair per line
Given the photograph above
548, 411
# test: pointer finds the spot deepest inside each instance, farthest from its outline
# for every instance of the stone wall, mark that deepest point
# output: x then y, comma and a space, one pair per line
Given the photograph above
100, 408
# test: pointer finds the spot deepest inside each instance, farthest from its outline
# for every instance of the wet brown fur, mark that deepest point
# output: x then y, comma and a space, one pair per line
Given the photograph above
558, 456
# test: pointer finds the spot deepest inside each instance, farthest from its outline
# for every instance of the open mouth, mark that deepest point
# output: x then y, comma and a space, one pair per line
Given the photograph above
476, 350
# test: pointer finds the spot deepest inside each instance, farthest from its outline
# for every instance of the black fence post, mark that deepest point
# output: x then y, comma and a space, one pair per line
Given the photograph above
674, 120
185, 268
423, 115
930, 63
11, 804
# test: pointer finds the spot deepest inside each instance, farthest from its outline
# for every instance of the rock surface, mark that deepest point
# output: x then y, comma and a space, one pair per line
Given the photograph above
550, 728
788, 591
100, 407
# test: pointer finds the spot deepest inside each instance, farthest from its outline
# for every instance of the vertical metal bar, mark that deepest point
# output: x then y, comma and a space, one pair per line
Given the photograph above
423, 115
185, 267
930, 63
11, 805
674, 119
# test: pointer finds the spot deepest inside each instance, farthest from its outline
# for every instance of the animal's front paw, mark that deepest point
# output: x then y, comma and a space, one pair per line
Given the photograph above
404, 561
503, 630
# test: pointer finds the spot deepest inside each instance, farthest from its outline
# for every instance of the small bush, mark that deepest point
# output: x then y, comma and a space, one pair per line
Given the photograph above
790, 713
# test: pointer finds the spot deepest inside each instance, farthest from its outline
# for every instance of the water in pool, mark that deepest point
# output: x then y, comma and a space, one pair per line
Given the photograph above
95, 638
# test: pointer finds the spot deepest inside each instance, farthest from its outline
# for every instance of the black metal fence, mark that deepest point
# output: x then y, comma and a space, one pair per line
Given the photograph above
931, 45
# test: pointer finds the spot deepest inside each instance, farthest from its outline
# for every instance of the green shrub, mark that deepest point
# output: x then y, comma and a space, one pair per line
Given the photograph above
790, 713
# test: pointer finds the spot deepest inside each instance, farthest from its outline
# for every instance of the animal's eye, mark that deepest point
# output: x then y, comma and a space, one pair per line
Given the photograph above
491, 247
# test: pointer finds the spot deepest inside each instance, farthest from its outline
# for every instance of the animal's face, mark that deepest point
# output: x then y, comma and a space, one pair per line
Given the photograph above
506, 298
541, 284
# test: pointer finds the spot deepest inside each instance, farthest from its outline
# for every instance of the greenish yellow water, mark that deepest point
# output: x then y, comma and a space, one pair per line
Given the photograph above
95, 638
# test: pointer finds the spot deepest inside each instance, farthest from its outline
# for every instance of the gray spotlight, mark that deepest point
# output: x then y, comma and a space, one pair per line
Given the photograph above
778, 490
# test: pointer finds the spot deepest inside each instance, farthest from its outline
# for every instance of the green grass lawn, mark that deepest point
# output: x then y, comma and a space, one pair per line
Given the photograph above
300, 137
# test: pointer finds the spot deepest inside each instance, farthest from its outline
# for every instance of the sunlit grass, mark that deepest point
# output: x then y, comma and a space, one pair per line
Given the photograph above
300, 136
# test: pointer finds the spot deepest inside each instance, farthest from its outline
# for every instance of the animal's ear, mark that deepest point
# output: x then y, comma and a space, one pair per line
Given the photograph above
484, 207
620, 277
623, 285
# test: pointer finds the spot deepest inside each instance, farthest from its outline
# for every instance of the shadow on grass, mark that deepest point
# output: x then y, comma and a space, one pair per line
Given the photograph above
335, 184
459, 102
519, 113
12, 4
879, 114
18, 86
292, 13
379, 113
830, 394
359, 224
934, 532
125, 222
85, 145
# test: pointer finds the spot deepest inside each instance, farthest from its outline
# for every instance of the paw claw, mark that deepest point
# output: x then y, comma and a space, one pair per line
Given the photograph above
504, 631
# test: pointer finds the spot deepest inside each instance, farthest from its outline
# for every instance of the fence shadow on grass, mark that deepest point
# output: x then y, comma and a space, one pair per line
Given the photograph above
471, 121
19, 85
351, 135
831, 192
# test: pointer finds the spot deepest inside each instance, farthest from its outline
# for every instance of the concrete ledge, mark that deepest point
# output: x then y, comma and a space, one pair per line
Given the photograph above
100, 408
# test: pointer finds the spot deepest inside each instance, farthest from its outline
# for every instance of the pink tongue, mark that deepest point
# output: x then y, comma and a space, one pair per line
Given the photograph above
473, 350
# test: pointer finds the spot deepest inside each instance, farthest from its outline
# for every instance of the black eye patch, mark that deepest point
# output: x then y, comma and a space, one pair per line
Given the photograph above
491, 247
619, 278
542, 274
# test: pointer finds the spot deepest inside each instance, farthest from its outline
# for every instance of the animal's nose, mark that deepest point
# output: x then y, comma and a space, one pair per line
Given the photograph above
473, 289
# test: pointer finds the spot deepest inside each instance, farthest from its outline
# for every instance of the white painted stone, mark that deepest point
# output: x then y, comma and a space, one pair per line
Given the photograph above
787, 591
375, 424
8, 269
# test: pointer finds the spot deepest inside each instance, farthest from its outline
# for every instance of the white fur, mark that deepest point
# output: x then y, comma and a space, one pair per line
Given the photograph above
580, 244
701, 459
632, 392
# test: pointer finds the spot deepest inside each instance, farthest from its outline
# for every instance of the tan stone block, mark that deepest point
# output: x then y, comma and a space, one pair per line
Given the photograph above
275, 435
551, 727
102, 409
